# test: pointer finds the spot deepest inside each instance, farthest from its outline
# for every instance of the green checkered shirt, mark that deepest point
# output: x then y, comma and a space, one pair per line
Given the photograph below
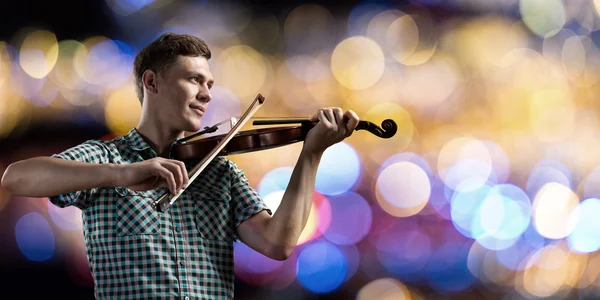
136, 252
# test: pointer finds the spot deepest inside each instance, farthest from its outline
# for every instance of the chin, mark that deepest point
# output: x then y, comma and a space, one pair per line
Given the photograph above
192, 126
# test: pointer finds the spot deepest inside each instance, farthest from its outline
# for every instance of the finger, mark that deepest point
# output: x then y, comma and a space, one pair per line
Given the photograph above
168, 176
352, 122
314, 117
330, 117
182, 171
178, 174
186, 177
339, 117
323, 119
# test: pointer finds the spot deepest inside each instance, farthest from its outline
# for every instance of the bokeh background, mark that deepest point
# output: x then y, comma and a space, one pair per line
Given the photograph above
490, 188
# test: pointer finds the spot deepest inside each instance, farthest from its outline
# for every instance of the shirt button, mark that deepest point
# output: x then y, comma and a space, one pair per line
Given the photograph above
186, 298
178, 228
181, 263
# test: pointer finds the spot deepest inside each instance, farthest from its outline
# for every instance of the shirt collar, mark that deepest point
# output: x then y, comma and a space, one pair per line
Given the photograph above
135, 140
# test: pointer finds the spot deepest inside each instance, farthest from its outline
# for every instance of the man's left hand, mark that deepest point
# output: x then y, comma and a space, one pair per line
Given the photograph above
333, 127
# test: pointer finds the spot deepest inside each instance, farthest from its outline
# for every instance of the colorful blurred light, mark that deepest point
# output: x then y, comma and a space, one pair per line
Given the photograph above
242, 70
466, 211
384, 289
584, 237
505, 214
38, 53
447, 269
321, 267
350, 219
251, 265
464, 164
67, 218
307, 29
319, 218
122, 110
357, 62
547, 171
543, 17
552, 207
35, 237
403, 189
403, 249
339, 170
432, 84
275, 180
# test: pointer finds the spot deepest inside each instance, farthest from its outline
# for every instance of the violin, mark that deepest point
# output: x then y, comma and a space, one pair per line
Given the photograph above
236, 142
266, 138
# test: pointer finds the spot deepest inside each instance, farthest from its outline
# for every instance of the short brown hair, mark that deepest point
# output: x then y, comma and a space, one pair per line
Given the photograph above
164, 51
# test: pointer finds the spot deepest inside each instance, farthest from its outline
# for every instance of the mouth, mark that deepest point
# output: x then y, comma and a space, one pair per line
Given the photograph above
199, 110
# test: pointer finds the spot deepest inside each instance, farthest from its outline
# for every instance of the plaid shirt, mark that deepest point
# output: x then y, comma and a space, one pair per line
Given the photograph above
136, 252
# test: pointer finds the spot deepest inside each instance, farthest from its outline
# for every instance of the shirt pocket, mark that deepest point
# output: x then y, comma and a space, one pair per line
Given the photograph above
212, 214
135, 214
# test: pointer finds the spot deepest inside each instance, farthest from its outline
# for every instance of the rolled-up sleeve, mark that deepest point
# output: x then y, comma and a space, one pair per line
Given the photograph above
246, 199
92, 151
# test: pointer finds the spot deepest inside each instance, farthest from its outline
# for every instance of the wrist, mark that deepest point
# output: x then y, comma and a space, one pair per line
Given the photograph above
311, 154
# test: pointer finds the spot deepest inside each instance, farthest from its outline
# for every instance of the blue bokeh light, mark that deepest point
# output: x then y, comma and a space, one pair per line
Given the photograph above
447, 269
584, 237
514, 256
505, 214
352, 258
321, 267
35, 237
338, 171
404, 249
465, 211
127, 7
107, 65
275, 180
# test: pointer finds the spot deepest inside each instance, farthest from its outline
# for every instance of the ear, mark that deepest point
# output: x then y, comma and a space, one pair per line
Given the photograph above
149, 79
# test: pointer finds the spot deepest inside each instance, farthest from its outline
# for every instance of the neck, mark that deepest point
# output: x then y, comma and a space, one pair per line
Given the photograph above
157, 135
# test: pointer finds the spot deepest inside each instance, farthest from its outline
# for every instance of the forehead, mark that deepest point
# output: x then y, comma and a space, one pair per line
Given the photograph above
191, 64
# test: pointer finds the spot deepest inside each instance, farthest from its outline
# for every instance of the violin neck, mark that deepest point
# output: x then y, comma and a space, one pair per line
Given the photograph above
282, 121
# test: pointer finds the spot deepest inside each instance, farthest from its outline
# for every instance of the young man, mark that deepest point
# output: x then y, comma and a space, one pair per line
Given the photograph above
186, 252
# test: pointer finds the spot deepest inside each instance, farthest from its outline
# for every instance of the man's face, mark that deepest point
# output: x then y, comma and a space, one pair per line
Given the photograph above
184, 93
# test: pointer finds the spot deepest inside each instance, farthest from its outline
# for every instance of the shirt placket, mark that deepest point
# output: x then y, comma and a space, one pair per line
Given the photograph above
177, 221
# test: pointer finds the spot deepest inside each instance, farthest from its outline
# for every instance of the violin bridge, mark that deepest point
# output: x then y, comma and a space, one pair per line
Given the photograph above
232, 122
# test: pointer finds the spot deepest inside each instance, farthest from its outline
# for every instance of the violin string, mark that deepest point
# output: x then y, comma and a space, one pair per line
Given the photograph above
260, 118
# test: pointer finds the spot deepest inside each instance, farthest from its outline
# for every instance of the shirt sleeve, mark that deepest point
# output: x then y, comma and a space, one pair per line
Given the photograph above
92, 151
246, 199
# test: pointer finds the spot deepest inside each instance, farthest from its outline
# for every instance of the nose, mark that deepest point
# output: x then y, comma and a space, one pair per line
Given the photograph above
204, 94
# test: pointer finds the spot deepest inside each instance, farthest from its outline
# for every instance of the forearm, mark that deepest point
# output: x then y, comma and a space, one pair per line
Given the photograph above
49, 176
291, 216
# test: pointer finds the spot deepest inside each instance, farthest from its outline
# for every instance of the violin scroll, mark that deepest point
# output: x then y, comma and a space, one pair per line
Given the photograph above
387, 130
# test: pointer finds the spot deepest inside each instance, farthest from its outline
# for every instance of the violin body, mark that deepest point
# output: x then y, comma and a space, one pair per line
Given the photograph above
243, 142
265, 138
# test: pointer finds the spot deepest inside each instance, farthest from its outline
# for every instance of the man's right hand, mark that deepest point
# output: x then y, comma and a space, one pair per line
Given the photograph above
154, 173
